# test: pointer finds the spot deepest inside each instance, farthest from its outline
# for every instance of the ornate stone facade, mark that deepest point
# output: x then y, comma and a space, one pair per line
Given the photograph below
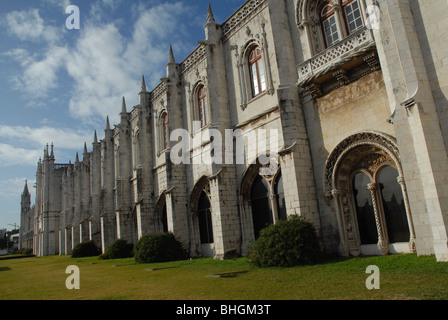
359, 109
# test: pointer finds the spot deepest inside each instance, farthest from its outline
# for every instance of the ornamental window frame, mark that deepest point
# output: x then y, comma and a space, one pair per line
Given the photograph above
257, 70
329, 24
349, 4
164, 131
368, 153
382, 243
136, 149
274, 201
311, 15
200, 106
245, 77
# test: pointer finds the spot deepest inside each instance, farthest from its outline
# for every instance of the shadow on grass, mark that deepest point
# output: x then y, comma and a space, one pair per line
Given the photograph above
227, 274
161, 268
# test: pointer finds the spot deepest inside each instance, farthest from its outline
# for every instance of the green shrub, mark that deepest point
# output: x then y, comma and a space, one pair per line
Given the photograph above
85, 249
118, 249
158, 247
286, 244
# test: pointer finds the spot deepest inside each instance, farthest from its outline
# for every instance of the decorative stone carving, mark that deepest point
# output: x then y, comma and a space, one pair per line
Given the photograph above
382, 141
341, 76
344, 51
242, 15
193, 59
372, 162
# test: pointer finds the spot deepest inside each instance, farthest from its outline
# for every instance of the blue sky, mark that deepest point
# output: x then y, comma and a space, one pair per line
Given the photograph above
58, 85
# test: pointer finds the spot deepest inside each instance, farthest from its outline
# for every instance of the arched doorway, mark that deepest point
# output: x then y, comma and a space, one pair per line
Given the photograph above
261, 205
263, 201
365, 212
394, 208
205, 219
280, 197
202, 235
164, 219
364, 178
161, 215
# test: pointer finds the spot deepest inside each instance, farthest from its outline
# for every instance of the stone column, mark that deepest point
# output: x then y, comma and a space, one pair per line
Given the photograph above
382, 243
344, 249
402, 184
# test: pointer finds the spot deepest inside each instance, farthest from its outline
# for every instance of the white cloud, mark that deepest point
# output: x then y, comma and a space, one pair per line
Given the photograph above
106, 66
99, 72
111, 3
38, 76
24, 146
41, 76
63, 4
14, 187
103, 63
14, 156
28, 25
10, 193
39, 71
20, 55
38, 137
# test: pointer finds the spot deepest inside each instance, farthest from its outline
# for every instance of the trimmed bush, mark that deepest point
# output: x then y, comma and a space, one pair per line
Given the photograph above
158, 247
118, 249
286, 244
85, 249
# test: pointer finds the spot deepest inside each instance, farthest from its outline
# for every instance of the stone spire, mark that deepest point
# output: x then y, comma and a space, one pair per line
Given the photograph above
210, 17
46, 156
171, 67
123, 106
123, 114
171, 56
212, 30
95, 138
143, 87
52, 152
26, 192
107, 123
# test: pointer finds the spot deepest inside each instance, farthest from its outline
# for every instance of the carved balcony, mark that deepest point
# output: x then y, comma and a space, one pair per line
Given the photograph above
340, 64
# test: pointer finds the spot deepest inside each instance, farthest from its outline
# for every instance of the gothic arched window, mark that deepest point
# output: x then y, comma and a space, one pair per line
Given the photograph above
205, 219
136, 149
202, 110
370, 197
261, 205
328, 20
393, 205
164, 219
164, 131
380, 207
257, 72
280, 197
364, 209
352, 15
338, 19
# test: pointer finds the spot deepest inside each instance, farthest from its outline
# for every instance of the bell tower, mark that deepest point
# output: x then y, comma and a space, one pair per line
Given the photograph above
25, 208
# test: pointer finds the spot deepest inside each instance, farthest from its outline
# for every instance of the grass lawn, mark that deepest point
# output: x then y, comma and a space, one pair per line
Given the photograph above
402, 277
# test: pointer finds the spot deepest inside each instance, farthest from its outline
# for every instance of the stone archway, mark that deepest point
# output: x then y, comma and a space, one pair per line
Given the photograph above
351, 179
262, 201
202, 241
161, 214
